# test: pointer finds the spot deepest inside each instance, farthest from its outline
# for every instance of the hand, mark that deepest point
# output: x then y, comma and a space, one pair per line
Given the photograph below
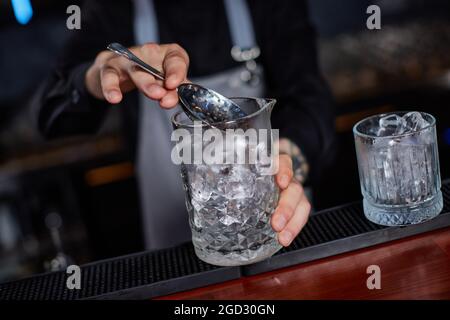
111, 76
293, 208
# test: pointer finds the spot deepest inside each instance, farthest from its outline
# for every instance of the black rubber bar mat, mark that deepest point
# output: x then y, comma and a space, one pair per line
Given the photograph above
343, 229
151, 274
137, 276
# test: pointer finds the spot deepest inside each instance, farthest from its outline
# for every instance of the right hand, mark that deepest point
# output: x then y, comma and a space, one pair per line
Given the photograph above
111, 75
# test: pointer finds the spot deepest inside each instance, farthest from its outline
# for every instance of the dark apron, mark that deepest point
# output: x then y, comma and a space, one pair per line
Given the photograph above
164, 215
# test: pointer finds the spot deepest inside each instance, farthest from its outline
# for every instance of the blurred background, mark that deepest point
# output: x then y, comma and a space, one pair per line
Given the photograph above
75, 200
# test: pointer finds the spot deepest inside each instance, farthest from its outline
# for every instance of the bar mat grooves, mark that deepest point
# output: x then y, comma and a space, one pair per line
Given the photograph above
151, 274
137, 276
343, 229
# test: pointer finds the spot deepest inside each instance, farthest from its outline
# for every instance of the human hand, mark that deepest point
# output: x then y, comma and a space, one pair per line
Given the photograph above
293, 208
111, 76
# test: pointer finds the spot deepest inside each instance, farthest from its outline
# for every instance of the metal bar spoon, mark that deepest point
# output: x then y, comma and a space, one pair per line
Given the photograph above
198, 103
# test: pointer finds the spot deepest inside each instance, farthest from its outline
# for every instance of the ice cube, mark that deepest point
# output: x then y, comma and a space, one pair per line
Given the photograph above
219, 169
238, 184
391, 125
199, 184
414, 121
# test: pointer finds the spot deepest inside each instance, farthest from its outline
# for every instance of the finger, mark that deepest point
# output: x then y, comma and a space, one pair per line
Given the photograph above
139, 75
170, 100
289, 199
285, 172
111, 74
175, 64
296, 224
104, 56
156, 92
110, 84
146, 83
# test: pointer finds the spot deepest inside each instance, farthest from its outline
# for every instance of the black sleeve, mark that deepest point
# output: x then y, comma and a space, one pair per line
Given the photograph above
64, 105
305, 110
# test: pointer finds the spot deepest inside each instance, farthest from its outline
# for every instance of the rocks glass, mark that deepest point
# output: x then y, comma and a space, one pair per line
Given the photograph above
399, 167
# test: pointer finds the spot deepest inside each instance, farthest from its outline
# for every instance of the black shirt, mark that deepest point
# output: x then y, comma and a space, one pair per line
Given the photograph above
304, 112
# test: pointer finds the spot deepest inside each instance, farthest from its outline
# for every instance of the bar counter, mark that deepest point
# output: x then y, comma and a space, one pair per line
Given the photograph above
328, 260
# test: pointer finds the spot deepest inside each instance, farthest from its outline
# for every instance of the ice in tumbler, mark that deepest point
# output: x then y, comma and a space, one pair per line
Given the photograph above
399, 168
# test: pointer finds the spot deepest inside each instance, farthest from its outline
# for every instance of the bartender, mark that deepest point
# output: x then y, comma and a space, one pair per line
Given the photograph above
236, 47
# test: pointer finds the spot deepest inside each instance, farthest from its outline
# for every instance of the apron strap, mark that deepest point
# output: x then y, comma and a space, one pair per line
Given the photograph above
240, 23
145, 22
245, 47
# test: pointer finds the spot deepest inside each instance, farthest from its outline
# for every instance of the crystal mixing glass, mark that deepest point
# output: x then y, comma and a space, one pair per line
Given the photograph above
230, 204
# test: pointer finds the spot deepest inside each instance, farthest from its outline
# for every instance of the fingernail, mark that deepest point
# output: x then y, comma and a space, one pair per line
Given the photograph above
285, 237
280, 223
113, 95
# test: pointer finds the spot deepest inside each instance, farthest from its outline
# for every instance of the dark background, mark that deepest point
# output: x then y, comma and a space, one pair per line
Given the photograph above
89, 183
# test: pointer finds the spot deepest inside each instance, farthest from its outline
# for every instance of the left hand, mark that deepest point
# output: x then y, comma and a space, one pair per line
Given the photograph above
293, 208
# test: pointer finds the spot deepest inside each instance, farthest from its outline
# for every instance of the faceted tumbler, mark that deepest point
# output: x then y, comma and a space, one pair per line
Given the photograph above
399, 173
